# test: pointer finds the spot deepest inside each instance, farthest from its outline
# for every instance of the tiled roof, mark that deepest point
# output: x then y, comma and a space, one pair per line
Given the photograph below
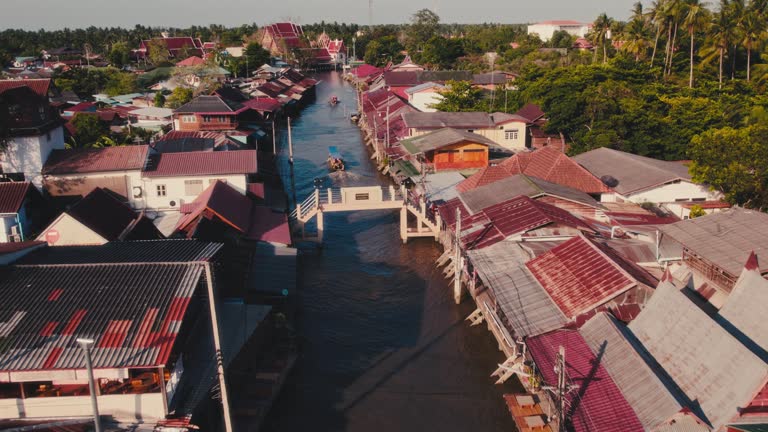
706, 362
547, 164
201, 163
12, 195
133, 312
77, 161
153, 251
725, 238
441, 138
523, 302
597, 405
39, 86
651, 393
633, 173
579, 277
191, 61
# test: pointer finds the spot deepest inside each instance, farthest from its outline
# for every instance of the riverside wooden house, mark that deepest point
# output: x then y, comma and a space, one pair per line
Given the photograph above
447, 149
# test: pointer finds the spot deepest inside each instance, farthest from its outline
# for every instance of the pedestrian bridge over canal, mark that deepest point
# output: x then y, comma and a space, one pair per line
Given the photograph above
364, 198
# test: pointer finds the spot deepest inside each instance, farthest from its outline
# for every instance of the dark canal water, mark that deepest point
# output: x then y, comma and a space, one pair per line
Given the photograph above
383, 347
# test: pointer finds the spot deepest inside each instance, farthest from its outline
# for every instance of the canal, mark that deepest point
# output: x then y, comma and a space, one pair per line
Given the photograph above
382, 345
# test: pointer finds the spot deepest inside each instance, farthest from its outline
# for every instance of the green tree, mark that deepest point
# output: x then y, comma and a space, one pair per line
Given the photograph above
119, 82
600, 32
459, 96
424, 26
88, 130
561, 39
119, 55
383, 50
158, 51
179, 97
721, 36
441, 53
752, 26
159, 99
696, 211
732, 161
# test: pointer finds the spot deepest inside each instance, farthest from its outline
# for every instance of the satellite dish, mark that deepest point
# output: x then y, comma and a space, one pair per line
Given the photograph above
609, 181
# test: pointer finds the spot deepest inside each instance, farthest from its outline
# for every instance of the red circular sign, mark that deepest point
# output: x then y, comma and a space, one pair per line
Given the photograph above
52, 236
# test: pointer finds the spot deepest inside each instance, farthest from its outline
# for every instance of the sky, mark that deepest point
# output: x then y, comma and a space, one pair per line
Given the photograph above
57, 14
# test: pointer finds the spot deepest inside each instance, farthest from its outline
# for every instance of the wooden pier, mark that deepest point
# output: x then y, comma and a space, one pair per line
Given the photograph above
364, 198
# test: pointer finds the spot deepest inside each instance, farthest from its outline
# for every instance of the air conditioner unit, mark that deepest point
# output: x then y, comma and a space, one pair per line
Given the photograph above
137, 191
172, 203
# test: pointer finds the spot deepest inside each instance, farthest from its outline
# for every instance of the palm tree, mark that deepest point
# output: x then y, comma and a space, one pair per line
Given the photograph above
601, 33
695, 17
721, 34
636, 39
752, 28
736, 12
656, 18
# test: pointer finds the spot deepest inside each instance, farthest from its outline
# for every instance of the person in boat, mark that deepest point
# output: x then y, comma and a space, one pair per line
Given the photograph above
334, 100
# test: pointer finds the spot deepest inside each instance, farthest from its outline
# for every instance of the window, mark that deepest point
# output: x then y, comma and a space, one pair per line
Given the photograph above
206, 119
193, 187
188, 118
43, 111
362, 197
510, 134
161, 190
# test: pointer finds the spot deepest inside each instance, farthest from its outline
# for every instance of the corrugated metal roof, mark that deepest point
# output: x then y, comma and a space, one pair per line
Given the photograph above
90, 160
706, 362
724, 238
510, 187
441, 186
105, 214
649, 391
526, 306
148, 252
579, 277
597, 405
132, 312
39, 86
12, 195
209, 104
746, 310
437, 120
442, 138
201, 163
634, 173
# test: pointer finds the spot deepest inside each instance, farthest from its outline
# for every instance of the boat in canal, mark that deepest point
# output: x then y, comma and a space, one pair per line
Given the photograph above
335, 161
333, 100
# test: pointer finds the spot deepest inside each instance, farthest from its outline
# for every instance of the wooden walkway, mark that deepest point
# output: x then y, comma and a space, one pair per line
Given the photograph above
365, 198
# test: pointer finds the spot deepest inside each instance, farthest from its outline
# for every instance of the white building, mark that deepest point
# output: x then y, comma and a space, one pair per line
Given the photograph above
155, 182
35, 130
424, 95
641, 179
546, 29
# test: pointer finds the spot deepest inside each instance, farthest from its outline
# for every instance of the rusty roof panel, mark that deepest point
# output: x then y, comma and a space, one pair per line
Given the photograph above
579, 277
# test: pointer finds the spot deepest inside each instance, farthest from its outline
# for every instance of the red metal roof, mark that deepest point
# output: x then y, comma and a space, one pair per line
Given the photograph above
12, 247
12, 196
598, 404
547, 164
238, 211
366, 70
516, 216
76, 161
579, 277
39, 86
201, 163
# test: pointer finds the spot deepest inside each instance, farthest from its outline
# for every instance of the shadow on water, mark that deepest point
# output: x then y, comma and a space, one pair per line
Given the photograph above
383, 347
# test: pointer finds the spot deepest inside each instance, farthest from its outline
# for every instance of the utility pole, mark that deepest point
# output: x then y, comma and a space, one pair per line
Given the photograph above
457, 260
85, 345
217, 346
561, 391
290, 143
274, 139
